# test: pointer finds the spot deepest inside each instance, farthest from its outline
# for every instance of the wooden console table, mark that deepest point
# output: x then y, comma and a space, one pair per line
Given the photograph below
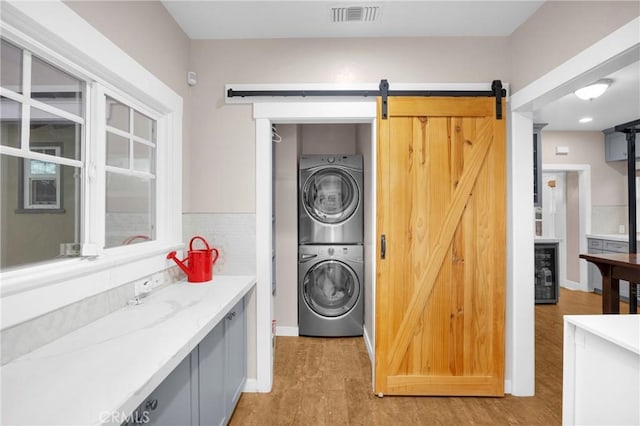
615, 267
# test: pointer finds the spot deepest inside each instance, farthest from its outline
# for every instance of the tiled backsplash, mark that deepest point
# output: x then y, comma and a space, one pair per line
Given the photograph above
233, 234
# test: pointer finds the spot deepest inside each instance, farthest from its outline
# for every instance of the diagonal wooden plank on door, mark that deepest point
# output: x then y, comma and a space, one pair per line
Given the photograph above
445, 236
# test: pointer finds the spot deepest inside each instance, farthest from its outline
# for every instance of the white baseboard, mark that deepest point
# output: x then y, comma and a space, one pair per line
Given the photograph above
250, 386
572, 285
507, 386
287, 331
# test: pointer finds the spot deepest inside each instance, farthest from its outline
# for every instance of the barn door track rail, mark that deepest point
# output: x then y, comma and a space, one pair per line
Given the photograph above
383, 91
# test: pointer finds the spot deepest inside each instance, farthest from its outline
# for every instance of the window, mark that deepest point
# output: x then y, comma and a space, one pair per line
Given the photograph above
41, 182
54, 172
42, 133
130, 175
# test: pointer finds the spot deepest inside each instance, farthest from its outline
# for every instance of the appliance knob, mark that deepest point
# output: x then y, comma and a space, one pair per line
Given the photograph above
331, 159
331, 251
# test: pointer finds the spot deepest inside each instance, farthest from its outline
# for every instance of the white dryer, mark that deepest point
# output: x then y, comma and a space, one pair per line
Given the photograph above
330, 202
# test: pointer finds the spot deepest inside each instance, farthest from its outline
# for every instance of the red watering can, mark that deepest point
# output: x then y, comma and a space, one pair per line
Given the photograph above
198, 265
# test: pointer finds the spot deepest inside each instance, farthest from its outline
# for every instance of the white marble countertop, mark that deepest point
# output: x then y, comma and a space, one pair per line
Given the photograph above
546, 240
613, 237
113, 363
622, 330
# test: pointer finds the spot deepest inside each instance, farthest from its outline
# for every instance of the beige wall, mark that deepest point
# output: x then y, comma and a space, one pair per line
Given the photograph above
608, 181
328, 139
573, 227
559, 30
223, 135
148, 33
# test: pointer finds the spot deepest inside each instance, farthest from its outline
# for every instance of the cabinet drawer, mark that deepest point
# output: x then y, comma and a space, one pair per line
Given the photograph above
595, 244
616, 246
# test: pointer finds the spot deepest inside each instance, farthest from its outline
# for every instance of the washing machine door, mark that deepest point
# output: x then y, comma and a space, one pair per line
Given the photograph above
330, 195
331, 288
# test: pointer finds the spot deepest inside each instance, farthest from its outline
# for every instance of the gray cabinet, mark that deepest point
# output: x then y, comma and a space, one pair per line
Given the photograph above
615, 145
222, 368
170, 403
595, 278
205, 387
236, 359
599, 246
211, 372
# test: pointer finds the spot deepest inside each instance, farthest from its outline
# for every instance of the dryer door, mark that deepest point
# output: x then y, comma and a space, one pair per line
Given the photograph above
331, 288
330, 195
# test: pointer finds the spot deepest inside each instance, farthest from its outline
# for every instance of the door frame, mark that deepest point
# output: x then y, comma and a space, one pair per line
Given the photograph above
618, 49
346, 110
584, 207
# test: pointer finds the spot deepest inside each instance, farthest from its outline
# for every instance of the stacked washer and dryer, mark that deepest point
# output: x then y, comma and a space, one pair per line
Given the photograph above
330, 249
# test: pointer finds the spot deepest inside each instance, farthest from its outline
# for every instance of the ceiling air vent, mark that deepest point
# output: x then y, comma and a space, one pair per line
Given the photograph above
354, 14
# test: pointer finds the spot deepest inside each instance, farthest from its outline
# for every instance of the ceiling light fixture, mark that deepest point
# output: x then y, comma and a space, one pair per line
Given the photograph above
586, 120
594, 90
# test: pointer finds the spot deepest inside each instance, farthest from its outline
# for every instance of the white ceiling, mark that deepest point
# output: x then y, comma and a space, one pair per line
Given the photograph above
305, 19
619, 104
240, 19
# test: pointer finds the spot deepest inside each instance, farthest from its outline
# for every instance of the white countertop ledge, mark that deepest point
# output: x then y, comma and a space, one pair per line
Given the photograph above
621, 330
112, 364
612, 237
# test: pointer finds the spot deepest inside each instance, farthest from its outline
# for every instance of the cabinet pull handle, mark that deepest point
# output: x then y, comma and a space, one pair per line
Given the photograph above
152, 404
383, 246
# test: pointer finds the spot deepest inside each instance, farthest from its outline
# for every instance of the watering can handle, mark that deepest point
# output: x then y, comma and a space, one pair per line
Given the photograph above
201, 239
216, 256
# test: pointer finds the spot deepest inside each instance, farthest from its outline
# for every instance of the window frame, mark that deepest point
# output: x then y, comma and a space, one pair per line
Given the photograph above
53, 32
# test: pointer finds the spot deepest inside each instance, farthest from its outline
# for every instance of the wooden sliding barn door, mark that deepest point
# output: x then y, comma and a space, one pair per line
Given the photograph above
441, 223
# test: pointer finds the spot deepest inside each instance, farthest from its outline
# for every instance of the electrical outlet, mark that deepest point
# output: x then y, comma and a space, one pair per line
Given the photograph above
142, 287
157, 279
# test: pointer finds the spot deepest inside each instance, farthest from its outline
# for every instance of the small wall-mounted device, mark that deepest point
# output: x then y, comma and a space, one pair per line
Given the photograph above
192, 78
562, 150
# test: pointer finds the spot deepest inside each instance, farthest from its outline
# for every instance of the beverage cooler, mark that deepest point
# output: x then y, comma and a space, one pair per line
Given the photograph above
546, 273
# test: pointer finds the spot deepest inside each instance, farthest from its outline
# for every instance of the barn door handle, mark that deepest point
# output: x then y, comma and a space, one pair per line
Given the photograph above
383, 246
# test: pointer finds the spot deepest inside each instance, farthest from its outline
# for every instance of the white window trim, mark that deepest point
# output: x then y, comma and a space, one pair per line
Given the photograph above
47, 28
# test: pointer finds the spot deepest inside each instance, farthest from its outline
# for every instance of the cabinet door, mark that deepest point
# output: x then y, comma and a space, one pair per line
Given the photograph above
170, 403
618, 247
595, 278
615, 146
211, 353
235, 339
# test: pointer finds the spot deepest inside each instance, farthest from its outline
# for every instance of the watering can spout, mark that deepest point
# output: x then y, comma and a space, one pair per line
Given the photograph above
172, 255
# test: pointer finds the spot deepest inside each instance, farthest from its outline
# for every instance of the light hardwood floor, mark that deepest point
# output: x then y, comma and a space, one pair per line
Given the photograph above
320, 381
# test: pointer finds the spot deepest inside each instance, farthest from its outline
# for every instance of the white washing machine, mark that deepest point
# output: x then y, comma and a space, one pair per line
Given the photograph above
331, 290
330, 201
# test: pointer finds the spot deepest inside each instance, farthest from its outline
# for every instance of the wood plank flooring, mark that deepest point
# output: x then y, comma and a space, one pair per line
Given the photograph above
320, 381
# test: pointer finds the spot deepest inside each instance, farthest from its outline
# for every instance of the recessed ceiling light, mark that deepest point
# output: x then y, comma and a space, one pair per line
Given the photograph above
594, 90
586, 120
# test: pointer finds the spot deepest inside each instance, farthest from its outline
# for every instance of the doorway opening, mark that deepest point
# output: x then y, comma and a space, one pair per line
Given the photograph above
569, 202
292, 141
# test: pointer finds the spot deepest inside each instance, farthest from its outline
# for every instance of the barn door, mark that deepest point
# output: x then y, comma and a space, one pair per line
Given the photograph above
441, 248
